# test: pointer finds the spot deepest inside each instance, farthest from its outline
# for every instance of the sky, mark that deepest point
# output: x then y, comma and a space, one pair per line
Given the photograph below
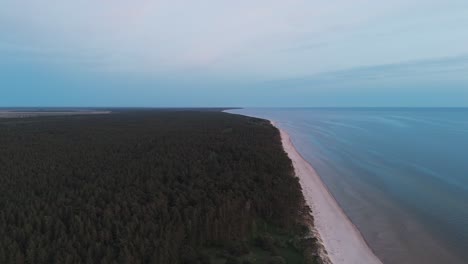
259, 53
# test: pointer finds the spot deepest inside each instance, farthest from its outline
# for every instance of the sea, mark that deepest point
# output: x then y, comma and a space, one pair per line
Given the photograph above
400, 174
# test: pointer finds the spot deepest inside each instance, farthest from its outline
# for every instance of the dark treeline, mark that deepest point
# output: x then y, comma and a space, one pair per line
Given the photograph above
143, 187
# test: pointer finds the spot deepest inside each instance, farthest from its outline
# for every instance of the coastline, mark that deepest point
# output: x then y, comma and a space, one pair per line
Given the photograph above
341, 240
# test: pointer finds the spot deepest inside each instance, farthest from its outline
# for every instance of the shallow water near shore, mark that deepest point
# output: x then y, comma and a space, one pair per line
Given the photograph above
401, 175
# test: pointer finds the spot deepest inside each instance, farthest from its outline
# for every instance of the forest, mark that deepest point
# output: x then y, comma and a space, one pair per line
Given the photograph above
149, 186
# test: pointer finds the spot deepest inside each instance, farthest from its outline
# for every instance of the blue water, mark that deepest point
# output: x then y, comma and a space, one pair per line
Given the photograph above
401, 175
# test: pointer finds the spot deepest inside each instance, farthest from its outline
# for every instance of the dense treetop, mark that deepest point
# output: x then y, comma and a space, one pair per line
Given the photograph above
146, 187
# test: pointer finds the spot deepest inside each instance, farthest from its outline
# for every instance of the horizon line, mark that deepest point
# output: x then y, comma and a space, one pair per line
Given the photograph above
229, 107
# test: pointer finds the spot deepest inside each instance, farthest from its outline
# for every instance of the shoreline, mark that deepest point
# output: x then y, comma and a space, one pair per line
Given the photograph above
342, 241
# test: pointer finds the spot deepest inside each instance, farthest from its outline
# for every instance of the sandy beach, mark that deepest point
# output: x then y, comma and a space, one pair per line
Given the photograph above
341, 239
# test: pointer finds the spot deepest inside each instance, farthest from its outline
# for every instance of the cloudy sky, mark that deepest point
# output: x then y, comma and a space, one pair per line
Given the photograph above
234, 53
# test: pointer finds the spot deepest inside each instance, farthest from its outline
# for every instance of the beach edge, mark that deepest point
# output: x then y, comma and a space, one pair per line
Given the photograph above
339, 241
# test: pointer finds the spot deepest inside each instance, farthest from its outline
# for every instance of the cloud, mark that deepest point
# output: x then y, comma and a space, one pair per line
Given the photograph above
429, 69
235, 47
152, 36
444, 78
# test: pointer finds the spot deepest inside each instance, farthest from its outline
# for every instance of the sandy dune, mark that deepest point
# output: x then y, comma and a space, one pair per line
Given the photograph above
341, 239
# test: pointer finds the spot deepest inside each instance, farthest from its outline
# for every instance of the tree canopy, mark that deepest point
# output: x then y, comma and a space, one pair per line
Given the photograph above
143, 187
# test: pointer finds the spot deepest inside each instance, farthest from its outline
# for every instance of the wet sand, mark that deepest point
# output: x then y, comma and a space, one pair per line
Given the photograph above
341, 239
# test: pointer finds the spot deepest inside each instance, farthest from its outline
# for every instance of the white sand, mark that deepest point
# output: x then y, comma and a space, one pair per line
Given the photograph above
341, 239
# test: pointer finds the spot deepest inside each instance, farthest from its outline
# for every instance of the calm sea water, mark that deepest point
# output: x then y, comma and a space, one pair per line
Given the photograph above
401, 175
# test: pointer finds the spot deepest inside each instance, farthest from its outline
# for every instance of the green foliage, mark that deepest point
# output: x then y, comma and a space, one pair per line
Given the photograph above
141, 187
